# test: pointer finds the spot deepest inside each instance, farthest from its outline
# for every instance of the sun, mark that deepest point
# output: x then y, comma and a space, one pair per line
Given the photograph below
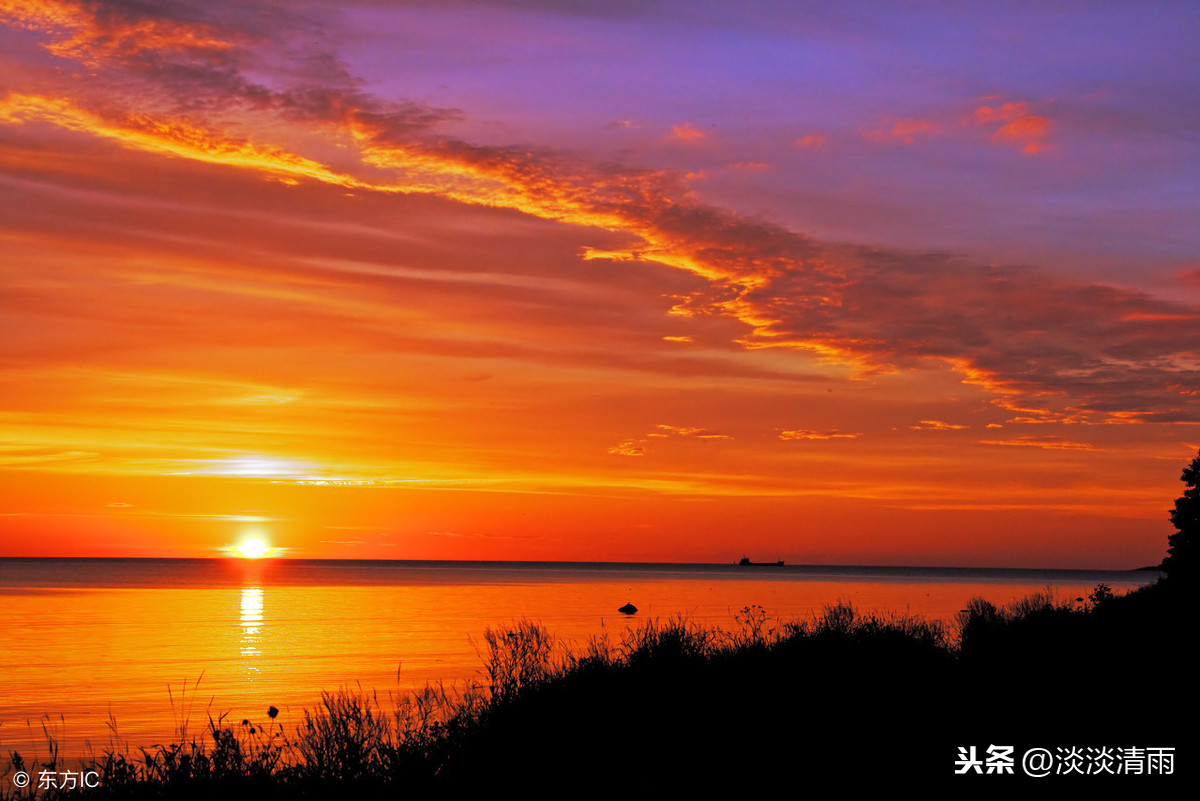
253, 548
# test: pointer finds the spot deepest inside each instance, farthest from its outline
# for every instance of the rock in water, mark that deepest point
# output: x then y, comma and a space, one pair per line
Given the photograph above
628, 609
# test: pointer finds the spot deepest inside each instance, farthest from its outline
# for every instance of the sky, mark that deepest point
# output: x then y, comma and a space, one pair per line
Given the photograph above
874, 283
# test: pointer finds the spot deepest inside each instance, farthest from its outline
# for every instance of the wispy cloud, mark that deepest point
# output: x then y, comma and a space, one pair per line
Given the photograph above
470, 535
637, 447
1045, 443
687, 431
904, 131
41, 457
937, 425
1015, 123
627, 448
686, 133
810, 434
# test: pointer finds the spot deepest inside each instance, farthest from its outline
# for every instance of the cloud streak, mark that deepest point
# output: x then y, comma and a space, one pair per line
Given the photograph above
1045, 443
810, 434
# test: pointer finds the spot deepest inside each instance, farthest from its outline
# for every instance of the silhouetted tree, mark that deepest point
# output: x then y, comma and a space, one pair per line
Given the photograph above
1183, 552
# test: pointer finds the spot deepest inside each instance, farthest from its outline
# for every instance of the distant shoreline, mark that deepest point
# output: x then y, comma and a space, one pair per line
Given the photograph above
535, 563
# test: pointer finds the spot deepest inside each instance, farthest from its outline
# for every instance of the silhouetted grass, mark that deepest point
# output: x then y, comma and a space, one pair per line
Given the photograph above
674, 705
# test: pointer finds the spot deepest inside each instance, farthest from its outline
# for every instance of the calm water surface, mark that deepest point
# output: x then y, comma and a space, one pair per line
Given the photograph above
149, 643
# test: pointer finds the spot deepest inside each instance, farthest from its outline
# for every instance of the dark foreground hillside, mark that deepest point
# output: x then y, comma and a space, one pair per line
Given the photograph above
858, 700
678, 707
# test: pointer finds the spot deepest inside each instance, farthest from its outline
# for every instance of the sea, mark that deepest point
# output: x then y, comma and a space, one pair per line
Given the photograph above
117, 654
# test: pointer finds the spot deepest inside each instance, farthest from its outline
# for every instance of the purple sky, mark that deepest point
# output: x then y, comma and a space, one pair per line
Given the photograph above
1112, 194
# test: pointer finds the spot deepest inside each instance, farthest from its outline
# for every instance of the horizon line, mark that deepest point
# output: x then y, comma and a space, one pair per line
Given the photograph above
242, 560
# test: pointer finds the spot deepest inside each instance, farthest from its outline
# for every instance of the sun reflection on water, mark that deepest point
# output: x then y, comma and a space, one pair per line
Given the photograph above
252, 624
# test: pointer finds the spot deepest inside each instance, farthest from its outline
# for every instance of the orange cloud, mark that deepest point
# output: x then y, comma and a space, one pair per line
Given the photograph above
788, 291
936, 425
809, 434
91, 36
812, 140
1006, 112
1024, 129
698, 433
1018, 125
627, 448
174, 138
686, 133
1045, 443
905, 131
1028, 133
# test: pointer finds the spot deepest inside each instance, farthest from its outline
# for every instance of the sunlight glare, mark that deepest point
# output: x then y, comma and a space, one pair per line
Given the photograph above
253, 548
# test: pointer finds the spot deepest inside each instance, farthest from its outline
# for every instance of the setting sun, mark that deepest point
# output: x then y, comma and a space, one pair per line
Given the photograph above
253, 548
